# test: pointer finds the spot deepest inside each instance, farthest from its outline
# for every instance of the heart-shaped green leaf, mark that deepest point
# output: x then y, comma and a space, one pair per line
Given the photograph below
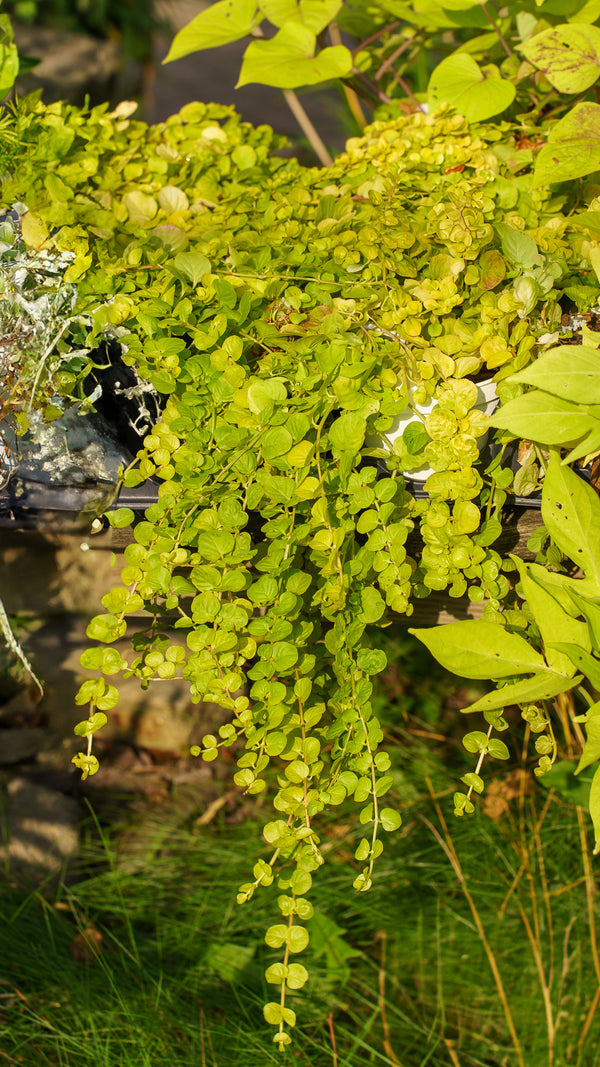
478, 93
288, 60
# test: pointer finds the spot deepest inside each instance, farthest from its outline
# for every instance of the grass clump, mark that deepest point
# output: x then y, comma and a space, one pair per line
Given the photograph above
477, 947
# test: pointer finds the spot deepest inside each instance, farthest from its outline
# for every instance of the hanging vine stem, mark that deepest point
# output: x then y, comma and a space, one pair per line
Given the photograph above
15, 647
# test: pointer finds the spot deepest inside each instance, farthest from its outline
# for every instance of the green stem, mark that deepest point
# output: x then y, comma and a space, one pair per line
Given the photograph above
497, 30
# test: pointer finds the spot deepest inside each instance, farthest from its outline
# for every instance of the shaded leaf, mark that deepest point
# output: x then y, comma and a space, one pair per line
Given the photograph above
571, 514
526, 691
583, 660
595, 808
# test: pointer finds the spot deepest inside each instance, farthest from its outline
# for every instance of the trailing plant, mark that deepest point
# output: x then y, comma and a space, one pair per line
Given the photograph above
288, 317
528, 60
551, 644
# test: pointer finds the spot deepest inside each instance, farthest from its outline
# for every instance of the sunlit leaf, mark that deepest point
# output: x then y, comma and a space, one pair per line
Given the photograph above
290, 60
569, 56
573, 147
218, 24
478, 649
476, 92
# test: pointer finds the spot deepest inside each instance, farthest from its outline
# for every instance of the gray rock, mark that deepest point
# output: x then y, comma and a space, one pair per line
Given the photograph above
39, 830
17, 745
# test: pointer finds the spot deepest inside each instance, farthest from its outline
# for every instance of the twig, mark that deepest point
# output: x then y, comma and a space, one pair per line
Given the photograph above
13, 644
333, 1041
387, 1045
307, 127
452, 1054
214, 808
394, 56
497, 30
375, 37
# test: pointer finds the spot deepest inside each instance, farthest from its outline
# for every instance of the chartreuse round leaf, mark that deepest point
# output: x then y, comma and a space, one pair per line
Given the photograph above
498, 749
476, 92
264, 391
347, 433
476, 741
371, 660
297, 976
390, 819
106, 628
193, 265
120, 517
86, 764
276, 1014
89, 726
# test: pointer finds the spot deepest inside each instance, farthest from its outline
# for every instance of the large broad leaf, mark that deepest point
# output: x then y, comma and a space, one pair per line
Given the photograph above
569, 371
538, 416
573, 147
288, 60
477, 93
584, 661
478, 649
316, 14
587, 446
221, 23
555, 624
526, 691
571, 514
569, 56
